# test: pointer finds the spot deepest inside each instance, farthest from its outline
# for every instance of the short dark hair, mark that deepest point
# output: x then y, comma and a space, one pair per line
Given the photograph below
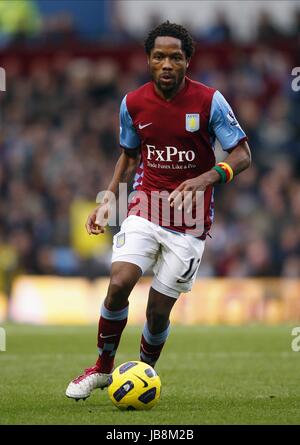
171, 30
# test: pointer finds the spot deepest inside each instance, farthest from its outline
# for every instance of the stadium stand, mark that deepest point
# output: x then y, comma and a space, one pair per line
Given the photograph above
59, 143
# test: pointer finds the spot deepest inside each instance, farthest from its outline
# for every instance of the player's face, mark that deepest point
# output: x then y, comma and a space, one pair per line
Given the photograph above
168, 65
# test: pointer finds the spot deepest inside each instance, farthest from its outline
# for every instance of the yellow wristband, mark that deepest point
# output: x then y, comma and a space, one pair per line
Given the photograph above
228, 168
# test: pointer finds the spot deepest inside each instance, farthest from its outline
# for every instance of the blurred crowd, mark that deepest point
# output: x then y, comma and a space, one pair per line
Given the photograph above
34, 23
257, 226
59, 144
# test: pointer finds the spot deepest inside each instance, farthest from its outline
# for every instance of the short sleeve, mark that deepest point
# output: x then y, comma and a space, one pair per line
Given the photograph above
223, 124
128, 136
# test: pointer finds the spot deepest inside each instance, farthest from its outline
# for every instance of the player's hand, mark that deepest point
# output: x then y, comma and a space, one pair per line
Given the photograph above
98, 219
186, 196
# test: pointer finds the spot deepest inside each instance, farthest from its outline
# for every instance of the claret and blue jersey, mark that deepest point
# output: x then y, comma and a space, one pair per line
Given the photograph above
177, 137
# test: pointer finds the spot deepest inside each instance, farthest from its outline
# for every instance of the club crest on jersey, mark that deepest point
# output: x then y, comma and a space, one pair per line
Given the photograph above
120, 240
192, 122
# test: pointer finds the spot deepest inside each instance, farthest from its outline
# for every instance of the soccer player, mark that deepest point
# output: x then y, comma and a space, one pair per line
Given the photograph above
168, 128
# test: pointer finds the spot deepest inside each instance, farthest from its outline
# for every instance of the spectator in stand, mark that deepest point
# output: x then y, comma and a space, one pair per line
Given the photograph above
267, 31
18, 20
218, 32
295, 29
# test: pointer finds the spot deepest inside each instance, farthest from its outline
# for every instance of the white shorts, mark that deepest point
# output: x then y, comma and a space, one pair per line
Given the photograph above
174, 257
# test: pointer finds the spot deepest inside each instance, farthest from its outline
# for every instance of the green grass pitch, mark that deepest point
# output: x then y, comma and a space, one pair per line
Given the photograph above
210, 375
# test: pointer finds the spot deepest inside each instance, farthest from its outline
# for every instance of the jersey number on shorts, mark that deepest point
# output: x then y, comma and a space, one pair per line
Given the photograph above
188, 275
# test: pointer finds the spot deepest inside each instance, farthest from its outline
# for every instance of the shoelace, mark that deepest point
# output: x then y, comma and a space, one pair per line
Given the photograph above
87, 372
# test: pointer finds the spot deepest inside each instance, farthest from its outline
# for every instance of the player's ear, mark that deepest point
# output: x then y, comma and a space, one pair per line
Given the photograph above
188, 62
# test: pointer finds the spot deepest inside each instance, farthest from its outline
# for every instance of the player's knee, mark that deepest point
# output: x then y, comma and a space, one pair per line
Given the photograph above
118, 293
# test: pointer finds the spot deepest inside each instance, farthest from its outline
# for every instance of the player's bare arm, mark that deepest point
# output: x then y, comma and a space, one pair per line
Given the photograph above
239, 159
124, 172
